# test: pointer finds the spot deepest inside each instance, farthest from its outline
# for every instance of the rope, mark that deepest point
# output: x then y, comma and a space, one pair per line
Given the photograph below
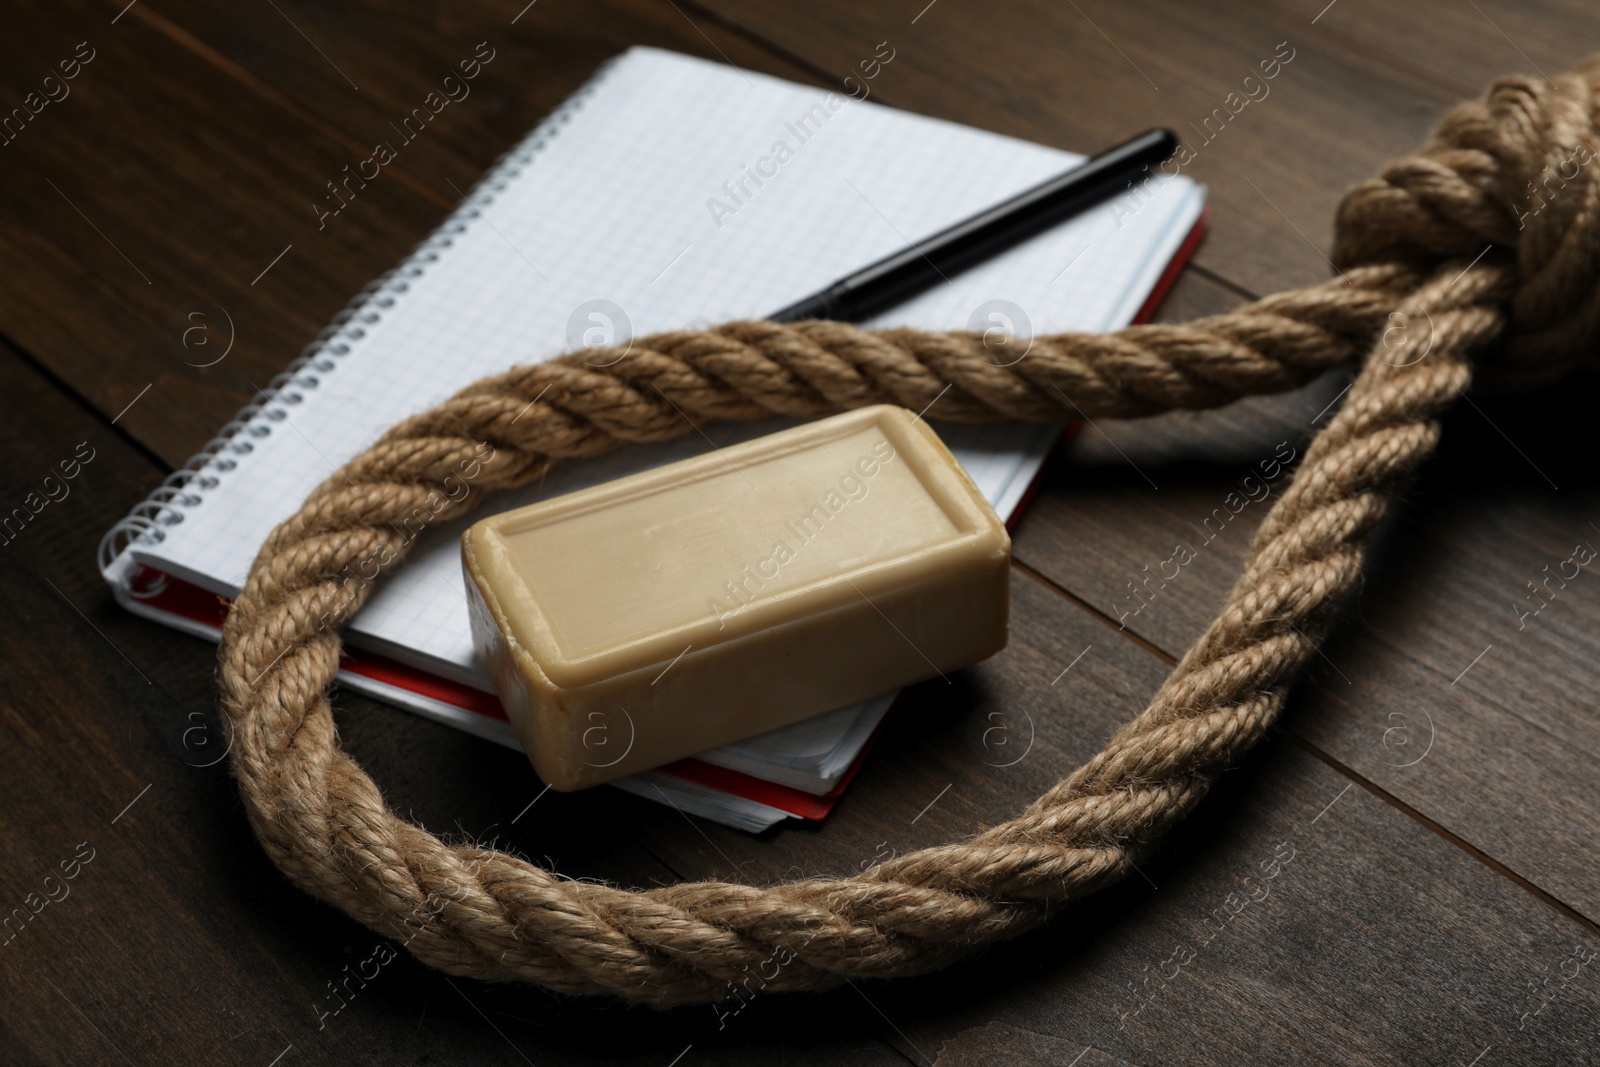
1446, 273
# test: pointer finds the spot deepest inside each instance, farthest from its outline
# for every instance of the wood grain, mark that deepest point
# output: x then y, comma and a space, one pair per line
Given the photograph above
1514, 739
217, 173
177, 941
1083, 75
1367, 947
163, 185
397, 53
1441, 818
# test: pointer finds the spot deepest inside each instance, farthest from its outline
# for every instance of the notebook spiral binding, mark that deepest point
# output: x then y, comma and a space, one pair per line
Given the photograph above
185, 487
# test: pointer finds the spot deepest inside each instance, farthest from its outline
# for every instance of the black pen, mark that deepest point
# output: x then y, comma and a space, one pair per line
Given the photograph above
897, 278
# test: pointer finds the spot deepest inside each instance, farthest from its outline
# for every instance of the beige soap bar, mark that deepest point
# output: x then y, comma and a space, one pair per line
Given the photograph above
666, 613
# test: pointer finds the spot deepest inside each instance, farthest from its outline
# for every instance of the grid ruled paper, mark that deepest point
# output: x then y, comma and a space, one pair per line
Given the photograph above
615, 202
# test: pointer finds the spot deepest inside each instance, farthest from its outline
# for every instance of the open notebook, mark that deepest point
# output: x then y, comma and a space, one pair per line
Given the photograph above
633, 209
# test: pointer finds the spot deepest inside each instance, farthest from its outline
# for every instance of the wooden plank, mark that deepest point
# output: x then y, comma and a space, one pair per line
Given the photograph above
1468, 693
1366, 946
174, 939
1086, 75
1103, 530
398, 54
1511, 772
1371, 944
1385, 945
160, 186
158, 194
1469, 45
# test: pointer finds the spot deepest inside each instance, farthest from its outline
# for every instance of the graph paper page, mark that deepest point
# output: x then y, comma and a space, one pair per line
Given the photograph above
633, 196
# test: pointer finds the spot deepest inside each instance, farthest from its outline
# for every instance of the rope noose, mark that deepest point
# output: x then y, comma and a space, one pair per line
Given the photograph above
1449, 246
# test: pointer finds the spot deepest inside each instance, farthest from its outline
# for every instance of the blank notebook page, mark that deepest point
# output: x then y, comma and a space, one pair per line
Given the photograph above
615, 199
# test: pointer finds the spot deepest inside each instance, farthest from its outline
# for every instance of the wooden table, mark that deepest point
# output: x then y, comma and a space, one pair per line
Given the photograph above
1419, 835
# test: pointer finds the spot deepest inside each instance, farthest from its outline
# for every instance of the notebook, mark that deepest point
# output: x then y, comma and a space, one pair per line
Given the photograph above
654, 198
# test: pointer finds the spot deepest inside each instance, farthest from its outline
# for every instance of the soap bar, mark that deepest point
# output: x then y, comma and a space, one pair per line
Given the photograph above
673, 611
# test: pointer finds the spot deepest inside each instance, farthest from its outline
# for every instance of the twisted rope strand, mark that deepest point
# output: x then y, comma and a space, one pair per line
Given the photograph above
1439, 248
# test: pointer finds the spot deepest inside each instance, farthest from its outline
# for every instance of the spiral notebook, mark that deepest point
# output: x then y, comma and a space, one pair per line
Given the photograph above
656, 197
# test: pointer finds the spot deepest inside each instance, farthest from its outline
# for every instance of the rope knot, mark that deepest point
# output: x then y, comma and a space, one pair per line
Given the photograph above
1511, 182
